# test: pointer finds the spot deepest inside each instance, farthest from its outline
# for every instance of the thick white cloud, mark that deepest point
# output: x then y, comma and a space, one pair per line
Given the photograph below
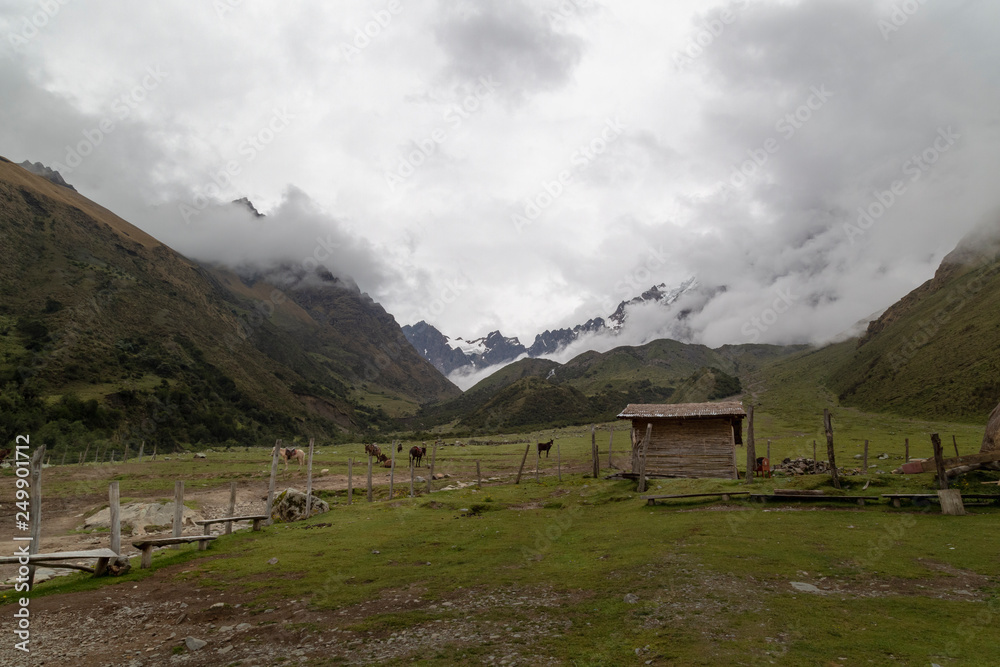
413, 133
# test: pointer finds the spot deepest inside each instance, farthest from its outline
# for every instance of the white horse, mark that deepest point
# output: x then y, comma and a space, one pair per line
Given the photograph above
285, 454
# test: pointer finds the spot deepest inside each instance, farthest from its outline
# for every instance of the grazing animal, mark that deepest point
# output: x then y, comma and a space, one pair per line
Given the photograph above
544, 447
290, 453
417, 453
399, 448
4, 453
763, 467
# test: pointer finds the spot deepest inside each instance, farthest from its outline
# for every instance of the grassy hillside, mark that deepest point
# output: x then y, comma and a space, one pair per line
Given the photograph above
108, 335
936, 353
595, 386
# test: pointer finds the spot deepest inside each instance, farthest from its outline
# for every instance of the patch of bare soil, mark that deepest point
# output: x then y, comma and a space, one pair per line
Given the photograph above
148, 624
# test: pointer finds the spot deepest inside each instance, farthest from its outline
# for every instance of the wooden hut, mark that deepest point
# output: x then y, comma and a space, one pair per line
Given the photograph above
688, 439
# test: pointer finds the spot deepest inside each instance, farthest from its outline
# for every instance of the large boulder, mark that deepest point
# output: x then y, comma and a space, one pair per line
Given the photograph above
991, 439
290, 505
143, 518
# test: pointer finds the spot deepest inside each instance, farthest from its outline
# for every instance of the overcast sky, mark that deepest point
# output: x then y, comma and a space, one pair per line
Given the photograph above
526, 165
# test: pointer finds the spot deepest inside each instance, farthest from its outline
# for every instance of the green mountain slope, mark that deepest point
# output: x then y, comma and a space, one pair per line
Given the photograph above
595, 386
108, 335
936, 353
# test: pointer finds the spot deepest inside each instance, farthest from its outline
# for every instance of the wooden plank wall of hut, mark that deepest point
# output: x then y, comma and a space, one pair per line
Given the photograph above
690, 447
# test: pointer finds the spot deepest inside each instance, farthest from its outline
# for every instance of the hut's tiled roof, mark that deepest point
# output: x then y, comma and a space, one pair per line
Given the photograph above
655, 410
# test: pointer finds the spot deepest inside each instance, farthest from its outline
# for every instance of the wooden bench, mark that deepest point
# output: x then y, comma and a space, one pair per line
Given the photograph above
147, 545
651, 500
897, 497
228, 520
764, 497
103, 557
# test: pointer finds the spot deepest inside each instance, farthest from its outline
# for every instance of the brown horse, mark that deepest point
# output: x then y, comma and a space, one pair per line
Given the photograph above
4, 453
290, 453
544, 447
417, 453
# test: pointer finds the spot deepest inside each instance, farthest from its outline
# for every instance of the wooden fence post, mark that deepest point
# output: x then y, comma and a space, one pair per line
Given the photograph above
814, 451
232, 507
35, 507
65, 450
142, 448
411, 478
955, 443
866, 457
479, 477
350, 479
178, 510
154, 454
523, 459
430, 477
270, 486
828, 427
751, 447
593, 451
642, 459
370, 478
611, 441
559, 462
538, 461
309, 478
392, 470
906, 454
942, 480
85, 452
114, 504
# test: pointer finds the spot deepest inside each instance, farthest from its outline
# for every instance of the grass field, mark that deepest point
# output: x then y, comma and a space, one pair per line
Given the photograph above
712, 582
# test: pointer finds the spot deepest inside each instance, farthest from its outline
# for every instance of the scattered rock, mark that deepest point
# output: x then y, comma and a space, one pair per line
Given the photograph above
195, 644
806, 588
201, 455
141, 516
272, 561
631, 598
801, 466
290, 505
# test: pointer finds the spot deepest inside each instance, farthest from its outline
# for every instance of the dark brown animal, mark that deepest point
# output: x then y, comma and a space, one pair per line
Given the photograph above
399, 448
763, 467
416, 454
4, 453
544, 447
